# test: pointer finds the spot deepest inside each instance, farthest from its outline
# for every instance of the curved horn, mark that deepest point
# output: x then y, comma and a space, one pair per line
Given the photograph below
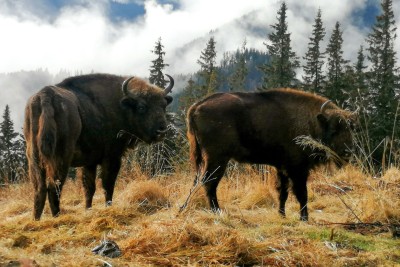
125, 85
171, 84
324, 105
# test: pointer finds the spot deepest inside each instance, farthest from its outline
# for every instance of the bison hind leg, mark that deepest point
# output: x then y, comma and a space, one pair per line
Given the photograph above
54, 190
210, 177
39, 201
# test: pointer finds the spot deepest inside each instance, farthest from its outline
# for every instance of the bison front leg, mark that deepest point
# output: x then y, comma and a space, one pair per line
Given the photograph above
88, 176
299, 188
109, 172
282, 187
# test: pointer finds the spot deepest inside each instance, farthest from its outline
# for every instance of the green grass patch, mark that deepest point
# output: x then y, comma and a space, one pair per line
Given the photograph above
354, 241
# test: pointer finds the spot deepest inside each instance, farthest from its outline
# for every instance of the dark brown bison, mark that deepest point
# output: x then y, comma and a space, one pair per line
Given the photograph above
262, 128
76, 123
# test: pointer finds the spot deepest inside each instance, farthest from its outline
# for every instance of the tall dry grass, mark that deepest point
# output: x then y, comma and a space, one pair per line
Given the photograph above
146, 223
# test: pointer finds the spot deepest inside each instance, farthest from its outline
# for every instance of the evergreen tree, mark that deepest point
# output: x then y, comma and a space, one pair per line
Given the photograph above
9, 149
158, 65
360, 68
238, 78
188, 97
336, 87
313, 78
207, 65
155, 159
280, 70
356, 78
383, 79
213, 84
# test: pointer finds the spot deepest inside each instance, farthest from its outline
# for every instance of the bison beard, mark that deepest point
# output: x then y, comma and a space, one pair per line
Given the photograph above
261, 128
76, 123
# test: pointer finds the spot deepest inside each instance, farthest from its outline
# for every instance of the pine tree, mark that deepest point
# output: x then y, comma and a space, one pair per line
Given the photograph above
188, 97
207, 64
280, 70
238, 78
313, 78
360, 68
335, 87
155, 158
383, 77
158, 65
9, 148
355, 83
213, 84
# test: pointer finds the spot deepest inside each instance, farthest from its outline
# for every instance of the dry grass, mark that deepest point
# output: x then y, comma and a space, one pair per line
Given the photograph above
146, 224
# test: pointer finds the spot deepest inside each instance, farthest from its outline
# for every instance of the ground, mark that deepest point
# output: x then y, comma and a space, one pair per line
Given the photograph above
353, 219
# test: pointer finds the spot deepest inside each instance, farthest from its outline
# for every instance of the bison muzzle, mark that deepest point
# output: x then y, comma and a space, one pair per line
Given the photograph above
76, 123
262, 128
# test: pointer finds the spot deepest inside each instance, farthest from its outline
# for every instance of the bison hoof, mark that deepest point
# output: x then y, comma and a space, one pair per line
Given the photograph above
217, 211
304, 218
108, 203
282, 213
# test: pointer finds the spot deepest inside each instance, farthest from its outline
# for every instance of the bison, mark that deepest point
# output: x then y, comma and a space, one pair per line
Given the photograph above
77, 122
261, 128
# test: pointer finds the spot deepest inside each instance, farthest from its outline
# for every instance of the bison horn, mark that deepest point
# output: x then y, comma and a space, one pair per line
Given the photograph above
125, 85
171, 84
324, 105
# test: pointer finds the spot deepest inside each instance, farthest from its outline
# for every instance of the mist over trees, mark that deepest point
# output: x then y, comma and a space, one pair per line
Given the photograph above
370, 85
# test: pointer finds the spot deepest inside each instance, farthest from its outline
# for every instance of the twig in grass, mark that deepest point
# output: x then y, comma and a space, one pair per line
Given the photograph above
342, 200
195, 188
378, 224
105, 263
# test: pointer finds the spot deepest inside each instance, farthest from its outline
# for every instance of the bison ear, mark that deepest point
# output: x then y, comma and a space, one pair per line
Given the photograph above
128, 102
169, 99
323, 120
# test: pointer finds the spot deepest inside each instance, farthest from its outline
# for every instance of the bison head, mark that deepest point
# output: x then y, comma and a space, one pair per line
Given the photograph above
337, 127
145, 105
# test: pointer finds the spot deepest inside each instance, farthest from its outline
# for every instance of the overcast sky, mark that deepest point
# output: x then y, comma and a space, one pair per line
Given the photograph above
117, 36
83, 35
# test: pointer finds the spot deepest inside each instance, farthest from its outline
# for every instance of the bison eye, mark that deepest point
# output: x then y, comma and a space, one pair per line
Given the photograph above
141, 108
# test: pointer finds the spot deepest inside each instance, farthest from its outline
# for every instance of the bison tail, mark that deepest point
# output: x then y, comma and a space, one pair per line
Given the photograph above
47, 129
195, 151
47, 134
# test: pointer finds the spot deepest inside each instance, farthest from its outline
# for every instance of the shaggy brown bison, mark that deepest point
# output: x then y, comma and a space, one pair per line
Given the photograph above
76, 123
261, 128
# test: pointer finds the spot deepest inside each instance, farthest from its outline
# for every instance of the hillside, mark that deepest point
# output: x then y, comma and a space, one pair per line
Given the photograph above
146, 224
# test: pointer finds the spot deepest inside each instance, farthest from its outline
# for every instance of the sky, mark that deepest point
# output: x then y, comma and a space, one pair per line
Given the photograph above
117, 36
